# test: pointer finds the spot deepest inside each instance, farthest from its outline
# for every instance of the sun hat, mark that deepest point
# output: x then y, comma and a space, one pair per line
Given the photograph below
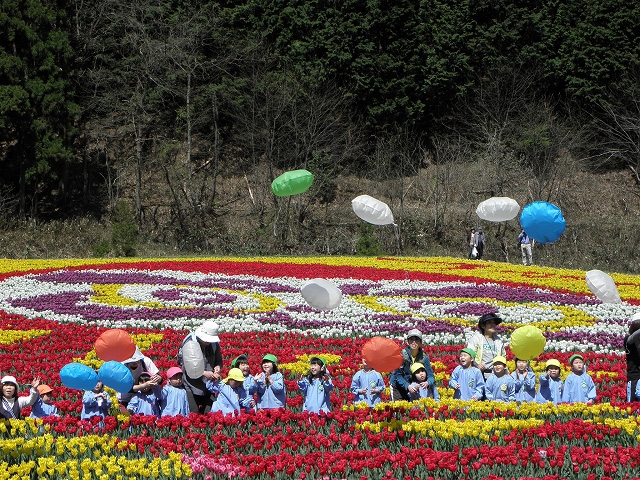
9, 379
552, 363
42, 389
469, 351
270, 358
234, 374
173, 371
239, 359
136, 357
208, 332
488, 317
414, 332
574, 357
500, 359
417, 366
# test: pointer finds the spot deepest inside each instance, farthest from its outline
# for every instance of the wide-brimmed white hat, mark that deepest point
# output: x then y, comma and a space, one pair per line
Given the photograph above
136, 357
208, 332
9, 379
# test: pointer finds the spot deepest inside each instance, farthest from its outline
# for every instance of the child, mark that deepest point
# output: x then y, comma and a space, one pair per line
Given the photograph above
270, 384
174, 400
43, 406
578, 386
486, 343
145, 401
467, 380
12, 405
231, 395
525, 381
316, 387
250, 387
421, 388
367, 385
95, 402
550, 389
500, 386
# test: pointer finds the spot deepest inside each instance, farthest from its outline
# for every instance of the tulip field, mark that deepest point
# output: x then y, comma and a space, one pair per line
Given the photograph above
52, 311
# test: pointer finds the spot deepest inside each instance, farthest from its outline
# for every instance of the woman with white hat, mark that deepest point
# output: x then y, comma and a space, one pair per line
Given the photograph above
137, 364
11, 405
207, 337
401, 379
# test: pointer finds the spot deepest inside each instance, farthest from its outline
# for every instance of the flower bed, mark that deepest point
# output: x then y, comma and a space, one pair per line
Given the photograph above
52, 311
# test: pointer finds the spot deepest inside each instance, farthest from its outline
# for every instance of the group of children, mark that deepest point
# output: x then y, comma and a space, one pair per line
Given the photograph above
241, 391
468, 382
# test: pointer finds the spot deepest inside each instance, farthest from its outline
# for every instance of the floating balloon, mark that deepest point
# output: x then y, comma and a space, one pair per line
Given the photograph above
292, 183
116, 375
603, 286
114, 344
371, 210
192, 359
382, 354
527, 342
78, 376
543, 222
498, 209
321, 294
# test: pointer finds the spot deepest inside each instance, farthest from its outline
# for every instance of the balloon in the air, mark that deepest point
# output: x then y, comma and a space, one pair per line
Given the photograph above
371, 210
192, 359
114, 344
498, 209
527, 342
321, 294
78, 376
116, 375
543, 222
382, 354
603, 286
292, 183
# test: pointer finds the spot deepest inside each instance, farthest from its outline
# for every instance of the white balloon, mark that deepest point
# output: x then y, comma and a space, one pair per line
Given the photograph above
603, 286
498, 209
371, 210
192, 359
321, 294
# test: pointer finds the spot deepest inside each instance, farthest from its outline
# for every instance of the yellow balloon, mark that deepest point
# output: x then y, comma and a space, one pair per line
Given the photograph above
527, 342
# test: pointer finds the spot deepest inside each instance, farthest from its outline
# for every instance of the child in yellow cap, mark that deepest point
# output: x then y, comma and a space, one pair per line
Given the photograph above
231, 395
550, 389
500, 386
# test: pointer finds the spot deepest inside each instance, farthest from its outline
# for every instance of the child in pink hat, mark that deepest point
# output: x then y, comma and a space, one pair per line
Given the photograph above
174, 400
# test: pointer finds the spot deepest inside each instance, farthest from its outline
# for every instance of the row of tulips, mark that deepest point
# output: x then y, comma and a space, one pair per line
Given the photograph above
51, 313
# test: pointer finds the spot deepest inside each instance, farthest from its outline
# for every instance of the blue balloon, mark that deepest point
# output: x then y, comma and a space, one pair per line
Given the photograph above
542, 221
78, 376
116, 375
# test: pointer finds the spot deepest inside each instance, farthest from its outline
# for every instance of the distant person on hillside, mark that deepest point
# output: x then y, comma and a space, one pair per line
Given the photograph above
479, 241
471, 243
525, 247
632, 351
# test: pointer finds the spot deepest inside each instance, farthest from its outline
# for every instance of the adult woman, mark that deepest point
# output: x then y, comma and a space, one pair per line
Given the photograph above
207, 337
400, 379
632, 351
486, 343
137, 364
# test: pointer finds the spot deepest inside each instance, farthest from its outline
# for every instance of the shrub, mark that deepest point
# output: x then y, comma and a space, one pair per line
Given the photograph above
124, 230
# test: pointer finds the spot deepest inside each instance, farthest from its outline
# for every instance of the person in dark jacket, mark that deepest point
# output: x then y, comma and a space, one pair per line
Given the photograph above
401, 378
632, 351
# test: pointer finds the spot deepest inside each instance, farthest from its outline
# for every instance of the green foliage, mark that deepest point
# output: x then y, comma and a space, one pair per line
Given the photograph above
101, 249
124, 230
368, 245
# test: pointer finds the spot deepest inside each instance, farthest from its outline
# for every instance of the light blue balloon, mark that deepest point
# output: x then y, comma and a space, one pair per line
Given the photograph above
542, 221
116, 375
78, 376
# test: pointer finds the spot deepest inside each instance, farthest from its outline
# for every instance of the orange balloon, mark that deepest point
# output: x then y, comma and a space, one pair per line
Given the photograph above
382, 354
114, 344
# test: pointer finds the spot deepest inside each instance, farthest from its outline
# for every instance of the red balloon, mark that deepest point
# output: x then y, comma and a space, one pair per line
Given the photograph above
114, 344
382, 354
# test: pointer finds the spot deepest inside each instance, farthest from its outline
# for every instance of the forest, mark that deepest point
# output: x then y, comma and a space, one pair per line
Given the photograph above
177, 115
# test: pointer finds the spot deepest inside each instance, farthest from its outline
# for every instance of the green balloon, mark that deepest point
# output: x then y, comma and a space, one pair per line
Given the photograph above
292, 183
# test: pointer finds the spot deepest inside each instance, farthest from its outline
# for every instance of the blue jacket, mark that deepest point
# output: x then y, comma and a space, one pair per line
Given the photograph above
229, 400
274, 395
174, 401
500, 388
41, 410
90, 407
370, 380
146, 403
578, 388
550, 390
401, 377
525, 387
317, 394
470, 380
